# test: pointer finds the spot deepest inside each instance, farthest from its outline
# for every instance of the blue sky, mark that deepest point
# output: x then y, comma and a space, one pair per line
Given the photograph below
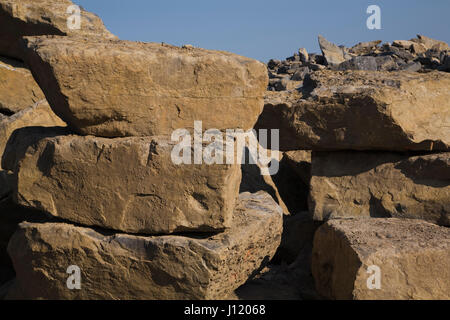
263, 29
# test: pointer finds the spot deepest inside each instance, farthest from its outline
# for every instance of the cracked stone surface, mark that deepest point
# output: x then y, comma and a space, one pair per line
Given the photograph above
126, 184
381, 184
123, 266
412, 257
145, 89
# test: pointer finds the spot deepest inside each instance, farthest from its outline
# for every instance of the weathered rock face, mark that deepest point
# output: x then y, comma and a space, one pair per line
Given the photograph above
363, 110
42, 17
146, 88
18, 90
363, 48
406, 44
128, 184
379, 184
40, 114
121, 266
22, 138
413, 257
430, 43
331, 52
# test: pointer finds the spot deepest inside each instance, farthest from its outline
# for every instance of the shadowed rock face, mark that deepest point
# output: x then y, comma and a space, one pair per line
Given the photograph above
143, 89
127, 184
300, 162
40, 114
412, 257
42, 17
364, 110
380, 184
10, 217
6, 183
165, 267
285, 187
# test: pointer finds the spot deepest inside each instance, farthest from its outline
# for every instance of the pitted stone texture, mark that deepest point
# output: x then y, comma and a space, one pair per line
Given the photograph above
121, 266
412, 257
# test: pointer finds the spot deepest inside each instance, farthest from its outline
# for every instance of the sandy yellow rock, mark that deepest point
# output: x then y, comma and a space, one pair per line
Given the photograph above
430, 43
43, 17
406, 44
18, 90
380, 184
122, 266
127, 184
122, 88
364, 110
412, 257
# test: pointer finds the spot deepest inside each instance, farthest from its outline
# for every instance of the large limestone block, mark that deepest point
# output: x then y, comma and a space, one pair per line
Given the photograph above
364, 110
20, 18
380, 184
412, 256
122, 88
121, 266
18, 90
40, 114
128, 184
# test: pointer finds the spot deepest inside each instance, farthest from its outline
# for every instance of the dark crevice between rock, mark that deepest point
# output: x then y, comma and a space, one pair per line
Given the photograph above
288, 275
6, 112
